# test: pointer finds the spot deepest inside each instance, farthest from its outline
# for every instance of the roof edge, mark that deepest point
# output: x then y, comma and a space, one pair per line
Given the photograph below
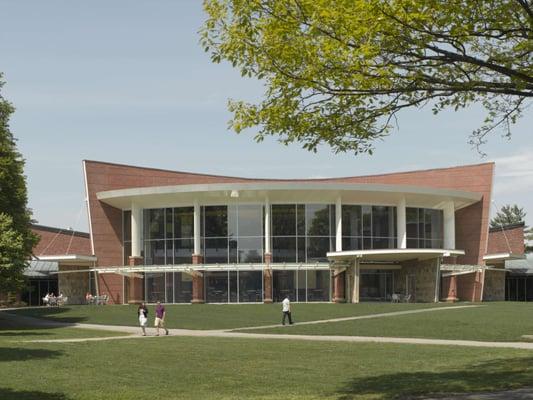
60, 230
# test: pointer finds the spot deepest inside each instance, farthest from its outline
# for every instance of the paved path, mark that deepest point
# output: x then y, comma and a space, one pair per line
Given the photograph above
380, 315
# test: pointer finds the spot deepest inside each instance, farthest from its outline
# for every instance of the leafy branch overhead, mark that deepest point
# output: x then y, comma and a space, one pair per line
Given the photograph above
339, 71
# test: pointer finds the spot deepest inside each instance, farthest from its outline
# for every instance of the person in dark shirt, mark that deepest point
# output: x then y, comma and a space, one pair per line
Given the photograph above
160, 318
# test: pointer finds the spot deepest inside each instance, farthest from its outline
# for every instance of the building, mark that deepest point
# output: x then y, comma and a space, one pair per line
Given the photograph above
54, 267
183, 237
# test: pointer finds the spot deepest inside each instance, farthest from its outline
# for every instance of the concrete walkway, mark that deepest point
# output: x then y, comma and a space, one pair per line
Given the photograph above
380, 315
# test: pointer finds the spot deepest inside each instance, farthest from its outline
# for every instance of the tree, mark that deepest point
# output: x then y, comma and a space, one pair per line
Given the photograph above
338, 72
16, 237
513, 215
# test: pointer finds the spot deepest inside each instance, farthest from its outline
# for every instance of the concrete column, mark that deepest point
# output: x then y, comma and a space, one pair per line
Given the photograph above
196, 234
355, 287
449, 225
135, 282
401, 224
197, 282
136, 229
338, 225
268, 250
338, 286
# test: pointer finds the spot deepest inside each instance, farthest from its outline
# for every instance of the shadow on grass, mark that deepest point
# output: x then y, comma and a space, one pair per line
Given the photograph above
45, 314
492, 376
22, 354
22, 332
8, 394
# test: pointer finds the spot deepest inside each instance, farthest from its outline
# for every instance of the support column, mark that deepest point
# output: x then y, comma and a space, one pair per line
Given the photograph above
135, 282
355, 288
267, 280
196, 233
338, 225
449, 225
338, 286
136, 229
401, 224
197, 282
452, 289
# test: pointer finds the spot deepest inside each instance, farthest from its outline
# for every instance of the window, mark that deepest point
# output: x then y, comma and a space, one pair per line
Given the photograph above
424, 228
368, 227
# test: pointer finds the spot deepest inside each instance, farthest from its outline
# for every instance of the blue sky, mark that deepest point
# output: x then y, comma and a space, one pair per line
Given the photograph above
127, 82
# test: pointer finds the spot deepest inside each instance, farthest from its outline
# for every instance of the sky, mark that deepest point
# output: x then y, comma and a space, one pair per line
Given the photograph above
127, 82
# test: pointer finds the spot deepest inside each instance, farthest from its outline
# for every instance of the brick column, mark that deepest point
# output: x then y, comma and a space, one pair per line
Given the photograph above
197, 281
338, 287
267, 280
452, 289
135, 283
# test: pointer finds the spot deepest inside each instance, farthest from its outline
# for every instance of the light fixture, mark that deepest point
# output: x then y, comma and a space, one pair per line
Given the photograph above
234, 193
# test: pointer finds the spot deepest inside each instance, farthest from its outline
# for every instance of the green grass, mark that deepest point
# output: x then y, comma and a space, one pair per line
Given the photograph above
220, 368
212, 316
501, 321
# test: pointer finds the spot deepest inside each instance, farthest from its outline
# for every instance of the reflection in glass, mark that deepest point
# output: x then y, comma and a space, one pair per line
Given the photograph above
284, 249
155, 286
318, 283
283, 220
216, 287
250, 250
183, 222
250, 286
169, 276
284, 283
300, 285
154, 252
154, 224
183, 249
182, 287
215, 221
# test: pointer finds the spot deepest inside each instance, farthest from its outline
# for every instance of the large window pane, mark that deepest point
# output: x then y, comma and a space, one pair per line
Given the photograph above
352, 243
233, 286
215, 221
283, 220
382, 226
183, 249
126, 218
250, 220
300, 220
318, 285
284, 283
318, 221
411, 215
154, 252
250, 286
216, 287
301, 284
155, 287
250, 249
317, 247
154, 223
170, 287
284, 249
127, 253
216, 250
351, 220
169, 252
169, 223
183, 222
367, 220
182, 287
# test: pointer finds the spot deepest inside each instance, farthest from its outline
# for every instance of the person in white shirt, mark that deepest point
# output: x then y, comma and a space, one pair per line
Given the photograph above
286, 308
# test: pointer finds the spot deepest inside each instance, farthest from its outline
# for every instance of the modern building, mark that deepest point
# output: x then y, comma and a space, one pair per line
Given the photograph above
183, 237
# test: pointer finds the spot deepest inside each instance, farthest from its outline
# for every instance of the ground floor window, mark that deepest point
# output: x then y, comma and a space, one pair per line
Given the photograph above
37, 289
376, 285
233, 286
301, 285
519, 288
168, 287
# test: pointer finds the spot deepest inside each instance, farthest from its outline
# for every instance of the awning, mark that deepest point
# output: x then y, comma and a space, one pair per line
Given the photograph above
40, 269
392, 255
70, 259
498, 257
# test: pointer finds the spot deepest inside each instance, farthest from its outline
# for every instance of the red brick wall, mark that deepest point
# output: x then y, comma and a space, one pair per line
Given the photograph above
498, 240
60, 242
469, 286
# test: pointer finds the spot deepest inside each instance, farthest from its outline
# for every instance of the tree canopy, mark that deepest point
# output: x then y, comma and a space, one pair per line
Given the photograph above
16, 237
338, 72
508, 215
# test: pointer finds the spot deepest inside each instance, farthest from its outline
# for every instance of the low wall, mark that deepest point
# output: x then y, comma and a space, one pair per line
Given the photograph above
494, 289
73, 285
420, 274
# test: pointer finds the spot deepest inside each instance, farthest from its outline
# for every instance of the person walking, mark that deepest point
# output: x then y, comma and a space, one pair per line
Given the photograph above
286, 308
142, 312
160, 314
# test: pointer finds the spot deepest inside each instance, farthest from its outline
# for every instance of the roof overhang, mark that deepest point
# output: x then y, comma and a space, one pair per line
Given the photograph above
503, 257
392, 255
70, 259
361, 193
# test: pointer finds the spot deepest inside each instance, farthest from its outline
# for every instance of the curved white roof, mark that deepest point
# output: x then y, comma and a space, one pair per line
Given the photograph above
283, 192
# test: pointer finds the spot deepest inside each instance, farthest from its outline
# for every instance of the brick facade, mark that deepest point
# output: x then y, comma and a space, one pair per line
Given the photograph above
55, 241
506, 239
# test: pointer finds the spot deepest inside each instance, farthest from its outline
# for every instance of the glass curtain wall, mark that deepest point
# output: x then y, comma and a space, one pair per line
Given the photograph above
302, 233
126, 236
368, 227
233, 286
301, 285
376, 285
232, 234
424, 228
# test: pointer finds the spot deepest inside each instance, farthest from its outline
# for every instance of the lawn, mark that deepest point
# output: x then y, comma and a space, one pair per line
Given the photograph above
220, 368
212, 316
499, 321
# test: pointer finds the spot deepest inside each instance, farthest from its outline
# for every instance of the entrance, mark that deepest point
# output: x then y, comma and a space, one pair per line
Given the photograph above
376, 285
